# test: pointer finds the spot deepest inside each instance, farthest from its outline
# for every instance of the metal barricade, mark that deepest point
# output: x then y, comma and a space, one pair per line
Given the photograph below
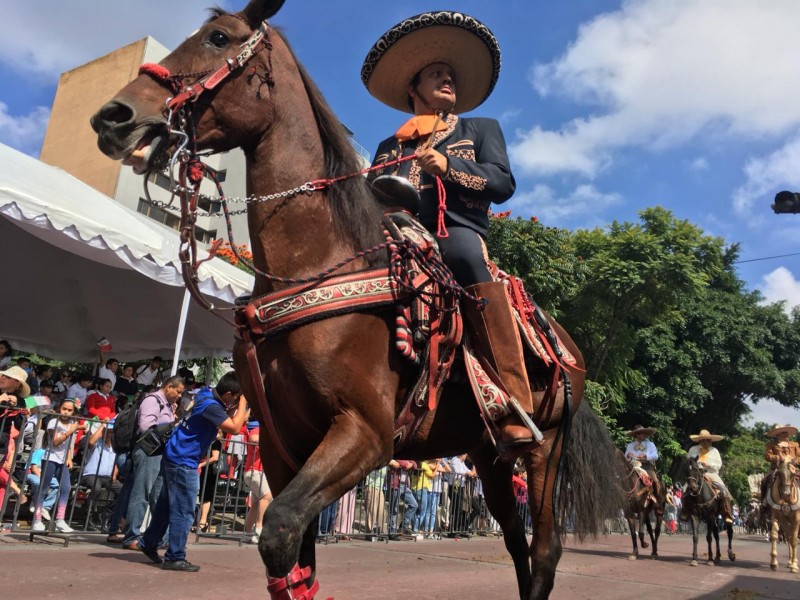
66, 500
230, 493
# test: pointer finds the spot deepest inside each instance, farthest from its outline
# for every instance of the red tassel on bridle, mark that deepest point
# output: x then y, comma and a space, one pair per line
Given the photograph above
158, 72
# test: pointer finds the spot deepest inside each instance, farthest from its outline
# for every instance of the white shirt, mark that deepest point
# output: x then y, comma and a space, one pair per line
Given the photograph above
635, 448
76, 390
53, 453
711, 459
145, 375
106, 373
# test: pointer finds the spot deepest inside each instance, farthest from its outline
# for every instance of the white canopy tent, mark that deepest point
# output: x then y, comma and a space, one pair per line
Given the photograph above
78, 266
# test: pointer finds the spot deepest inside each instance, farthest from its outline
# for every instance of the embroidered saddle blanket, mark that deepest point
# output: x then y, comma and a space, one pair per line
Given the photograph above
429, 326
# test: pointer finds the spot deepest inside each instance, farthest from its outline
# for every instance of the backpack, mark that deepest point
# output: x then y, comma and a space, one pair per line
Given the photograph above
126, 426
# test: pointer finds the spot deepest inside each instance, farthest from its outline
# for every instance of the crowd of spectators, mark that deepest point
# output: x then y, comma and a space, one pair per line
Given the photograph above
66, 455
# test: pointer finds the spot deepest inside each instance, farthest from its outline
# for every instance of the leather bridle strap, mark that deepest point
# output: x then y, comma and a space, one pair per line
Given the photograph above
191, 93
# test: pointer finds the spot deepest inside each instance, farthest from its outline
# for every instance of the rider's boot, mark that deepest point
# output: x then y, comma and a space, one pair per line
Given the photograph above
727, 508
495, 332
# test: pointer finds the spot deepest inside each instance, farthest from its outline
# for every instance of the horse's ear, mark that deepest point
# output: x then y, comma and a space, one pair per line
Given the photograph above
257, 11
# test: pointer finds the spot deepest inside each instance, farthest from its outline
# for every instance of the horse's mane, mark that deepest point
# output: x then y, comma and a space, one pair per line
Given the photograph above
356, 214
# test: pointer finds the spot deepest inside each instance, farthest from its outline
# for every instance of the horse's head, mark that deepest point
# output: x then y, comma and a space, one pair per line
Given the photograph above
215, 86
694, 474
786, 474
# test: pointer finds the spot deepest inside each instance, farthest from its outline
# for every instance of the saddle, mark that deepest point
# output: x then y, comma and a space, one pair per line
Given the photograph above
429, 325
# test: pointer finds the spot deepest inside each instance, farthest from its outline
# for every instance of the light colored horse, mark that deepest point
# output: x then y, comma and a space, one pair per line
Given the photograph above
784, 500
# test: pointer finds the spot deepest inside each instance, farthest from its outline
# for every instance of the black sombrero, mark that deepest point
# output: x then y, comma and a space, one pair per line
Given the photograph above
450, 37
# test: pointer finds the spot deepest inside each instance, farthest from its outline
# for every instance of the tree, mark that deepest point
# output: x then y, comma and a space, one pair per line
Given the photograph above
543, 257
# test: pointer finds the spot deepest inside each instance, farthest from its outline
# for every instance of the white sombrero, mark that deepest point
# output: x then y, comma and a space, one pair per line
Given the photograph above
779, 429
450, 37
705, 435
640, 429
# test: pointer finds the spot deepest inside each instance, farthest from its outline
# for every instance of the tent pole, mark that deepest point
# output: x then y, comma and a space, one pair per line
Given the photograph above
187, 298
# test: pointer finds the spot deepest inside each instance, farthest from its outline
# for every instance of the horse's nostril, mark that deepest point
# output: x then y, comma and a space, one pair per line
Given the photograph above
113, 114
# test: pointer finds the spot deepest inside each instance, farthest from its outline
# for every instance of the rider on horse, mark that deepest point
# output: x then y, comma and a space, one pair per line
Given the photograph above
711, 460
642, 454
438, 66
776, 450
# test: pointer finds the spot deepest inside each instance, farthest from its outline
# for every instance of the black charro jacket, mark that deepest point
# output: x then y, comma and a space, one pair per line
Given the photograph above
478, 172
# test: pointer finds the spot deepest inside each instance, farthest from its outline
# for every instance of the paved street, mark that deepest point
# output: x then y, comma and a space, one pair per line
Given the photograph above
466, 569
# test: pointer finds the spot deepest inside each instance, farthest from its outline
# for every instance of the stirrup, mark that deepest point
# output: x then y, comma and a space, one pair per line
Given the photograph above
526, 420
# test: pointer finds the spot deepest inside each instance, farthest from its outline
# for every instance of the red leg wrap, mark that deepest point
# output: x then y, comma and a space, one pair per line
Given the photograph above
293, 586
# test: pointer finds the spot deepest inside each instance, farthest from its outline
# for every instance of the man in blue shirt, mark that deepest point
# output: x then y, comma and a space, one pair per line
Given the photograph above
183, 452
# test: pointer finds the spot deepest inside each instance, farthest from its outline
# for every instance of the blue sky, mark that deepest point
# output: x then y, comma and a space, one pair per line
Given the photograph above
608, 106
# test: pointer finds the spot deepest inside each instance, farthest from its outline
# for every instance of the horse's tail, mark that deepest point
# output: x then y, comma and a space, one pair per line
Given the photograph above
593, 486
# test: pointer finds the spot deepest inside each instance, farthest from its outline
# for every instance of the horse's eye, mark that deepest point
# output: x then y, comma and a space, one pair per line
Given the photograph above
218, 39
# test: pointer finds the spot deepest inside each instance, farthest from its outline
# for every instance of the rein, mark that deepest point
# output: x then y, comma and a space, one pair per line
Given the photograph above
192, 170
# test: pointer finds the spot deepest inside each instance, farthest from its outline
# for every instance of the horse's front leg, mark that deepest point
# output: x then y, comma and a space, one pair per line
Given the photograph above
773, 538
545, 550
501, 502
654, 534
711, 528
348, 450
633, 520
695, 534
644, 517
792, 543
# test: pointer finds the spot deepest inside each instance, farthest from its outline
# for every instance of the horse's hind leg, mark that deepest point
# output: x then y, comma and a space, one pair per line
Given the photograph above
501, 502
542, 465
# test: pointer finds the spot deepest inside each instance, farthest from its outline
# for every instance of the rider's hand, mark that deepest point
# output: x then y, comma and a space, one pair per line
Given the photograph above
432, 162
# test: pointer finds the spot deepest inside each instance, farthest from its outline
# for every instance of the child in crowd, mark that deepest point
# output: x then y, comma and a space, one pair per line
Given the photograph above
58, 462
34, 479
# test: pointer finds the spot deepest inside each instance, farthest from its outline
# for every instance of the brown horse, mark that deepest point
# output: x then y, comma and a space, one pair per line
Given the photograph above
783, 499
335, 386
642, 501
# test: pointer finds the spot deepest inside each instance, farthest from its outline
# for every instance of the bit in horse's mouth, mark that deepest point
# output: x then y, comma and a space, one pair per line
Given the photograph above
151, 153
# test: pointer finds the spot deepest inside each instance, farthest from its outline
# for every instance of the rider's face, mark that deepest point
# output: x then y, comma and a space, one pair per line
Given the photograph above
436, 87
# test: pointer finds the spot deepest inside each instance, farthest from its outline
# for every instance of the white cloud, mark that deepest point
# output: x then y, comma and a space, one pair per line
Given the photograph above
781, 284
699, 165
46, 40
24, 132
767, 175
771, 412
659, 72
582, 207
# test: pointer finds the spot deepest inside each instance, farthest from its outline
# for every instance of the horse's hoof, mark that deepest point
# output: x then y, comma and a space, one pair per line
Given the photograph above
774, 567
645, 545
710, 563
654, 556
732, 557
717, 561
632, 557
693, 563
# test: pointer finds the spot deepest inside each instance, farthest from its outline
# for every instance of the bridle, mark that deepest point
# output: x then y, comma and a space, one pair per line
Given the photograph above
191, 170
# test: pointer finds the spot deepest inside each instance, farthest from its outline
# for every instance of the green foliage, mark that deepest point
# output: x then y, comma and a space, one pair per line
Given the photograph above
744, 456
671, 336
543, 257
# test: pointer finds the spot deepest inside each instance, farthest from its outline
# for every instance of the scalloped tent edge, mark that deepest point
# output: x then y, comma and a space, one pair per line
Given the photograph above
79, 266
